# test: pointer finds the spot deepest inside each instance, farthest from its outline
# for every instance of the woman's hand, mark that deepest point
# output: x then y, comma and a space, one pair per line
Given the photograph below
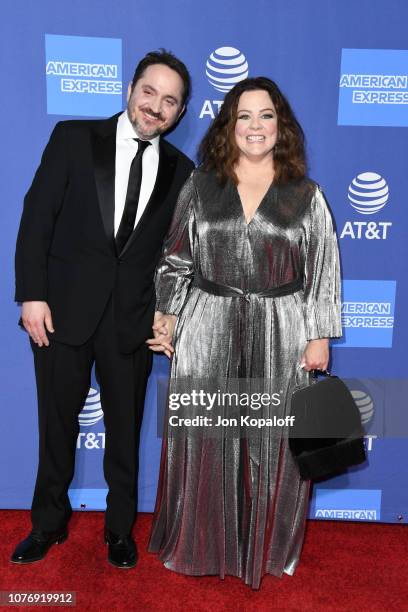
316, 355
164, 324
163, 328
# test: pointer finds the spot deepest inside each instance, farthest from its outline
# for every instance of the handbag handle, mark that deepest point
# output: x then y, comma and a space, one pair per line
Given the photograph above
323, 372
313, 376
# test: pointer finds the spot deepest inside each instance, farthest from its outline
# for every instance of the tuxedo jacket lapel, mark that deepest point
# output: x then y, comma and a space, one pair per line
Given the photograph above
104, 155
165, 174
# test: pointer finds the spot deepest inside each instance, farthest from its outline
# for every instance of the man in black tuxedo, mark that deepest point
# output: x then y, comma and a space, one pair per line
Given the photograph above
90, 237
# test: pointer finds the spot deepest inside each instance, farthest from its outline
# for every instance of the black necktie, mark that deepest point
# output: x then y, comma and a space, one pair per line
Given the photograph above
127, 222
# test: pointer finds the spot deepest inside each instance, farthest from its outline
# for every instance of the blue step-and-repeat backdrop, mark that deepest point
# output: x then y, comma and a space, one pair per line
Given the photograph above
344, 67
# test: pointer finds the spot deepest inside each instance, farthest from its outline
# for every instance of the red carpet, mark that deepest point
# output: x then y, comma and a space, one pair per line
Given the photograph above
345, 567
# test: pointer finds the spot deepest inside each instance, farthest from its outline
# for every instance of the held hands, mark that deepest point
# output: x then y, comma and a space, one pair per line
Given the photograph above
163, 328
34, 316
316, 355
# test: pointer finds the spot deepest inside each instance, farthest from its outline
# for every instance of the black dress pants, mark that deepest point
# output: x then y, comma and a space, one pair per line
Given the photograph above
63, 376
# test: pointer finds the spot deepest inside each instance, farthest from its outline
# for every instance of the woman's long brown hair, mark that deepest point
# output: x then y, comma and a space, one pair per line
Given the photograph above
218, 150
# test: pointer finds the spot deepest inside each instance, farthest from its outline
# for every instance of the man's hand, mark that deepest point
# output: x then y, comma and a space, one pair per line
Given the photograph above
163, 328
316, 355
36, 317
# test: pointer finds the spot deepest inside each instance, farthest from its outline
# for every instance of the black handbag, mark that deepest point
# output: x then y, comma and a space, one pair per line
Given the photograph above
327, 436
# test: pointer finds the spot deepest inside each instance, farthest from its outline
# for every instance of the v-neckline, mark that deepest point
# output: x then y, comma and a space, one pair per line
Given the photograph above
248, 223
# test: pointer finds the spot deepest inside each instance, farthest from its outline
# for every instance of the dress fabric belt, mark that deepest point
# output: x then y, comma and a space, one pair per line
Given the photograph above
227, 291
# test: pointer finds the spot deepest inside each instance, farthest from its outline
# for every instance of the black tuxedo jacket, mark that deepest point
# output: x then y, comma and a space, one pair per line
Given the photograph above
65, 252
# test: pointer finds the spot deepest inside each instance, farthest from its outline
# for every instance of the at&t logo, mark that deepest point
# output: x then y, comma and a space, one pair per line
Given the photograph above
368, 193
225, 67
365, 405
91, 413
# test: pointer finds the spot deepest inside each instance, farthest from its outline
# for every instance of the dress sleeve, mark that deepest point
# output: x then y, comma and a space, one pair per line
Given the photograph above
322, 285
175, 271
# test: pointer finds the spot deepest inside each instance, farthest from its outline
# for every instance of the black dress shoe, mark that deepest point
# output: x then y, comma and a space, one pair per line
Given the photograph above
122, 551
36, 545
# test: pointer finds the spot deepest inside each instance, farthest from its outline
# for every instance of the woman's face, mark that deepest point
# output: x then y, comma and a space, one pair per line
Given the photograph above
256, 128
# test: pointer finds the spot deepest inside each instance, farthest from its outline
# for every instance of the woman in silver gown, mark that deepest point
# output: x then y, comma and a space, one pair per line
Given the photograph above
248, 287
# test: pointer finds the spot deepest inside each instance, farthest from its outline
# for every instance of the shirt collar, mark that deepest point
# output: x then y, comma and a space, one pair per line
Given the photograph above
126, 131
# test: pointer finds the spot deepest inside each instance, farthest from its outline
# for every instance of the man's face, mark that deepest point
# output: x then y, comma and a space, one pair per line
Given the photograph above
155, 103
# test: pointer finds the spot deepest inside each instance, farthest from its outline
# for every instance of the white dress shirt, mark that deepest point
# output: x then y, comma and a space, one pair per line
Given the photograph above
126, 149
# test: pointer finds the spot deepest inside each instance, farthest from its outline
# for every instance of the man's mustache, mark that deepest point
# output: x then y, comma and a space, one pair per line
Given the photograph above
153, 114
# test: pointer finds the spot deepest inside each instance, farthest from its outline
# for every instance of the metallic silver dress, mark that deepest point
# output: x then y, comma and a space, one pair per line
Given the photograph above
238, 506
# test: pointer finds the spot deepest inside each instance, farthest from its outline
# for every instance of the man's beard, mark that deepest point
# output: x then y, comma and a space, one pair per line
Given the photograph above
141, 132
